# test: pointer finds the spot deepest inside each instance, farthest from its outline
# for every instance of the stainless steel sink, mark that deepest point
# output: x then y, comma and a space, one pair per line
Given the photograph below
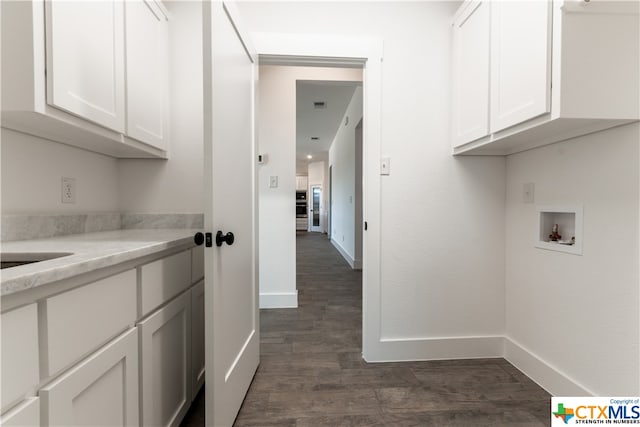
14, 259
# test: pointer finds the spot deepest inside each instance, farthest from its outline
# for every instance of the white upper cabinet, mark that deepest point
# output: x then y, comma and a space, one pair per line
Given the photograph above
520, 62
146, 39
471, 68
556, 70
302, 182
85, 60
91, 74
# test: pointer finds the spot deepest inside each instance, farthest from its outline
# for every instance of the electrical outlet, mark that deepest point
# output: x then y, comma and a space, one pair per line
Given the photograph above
68, 190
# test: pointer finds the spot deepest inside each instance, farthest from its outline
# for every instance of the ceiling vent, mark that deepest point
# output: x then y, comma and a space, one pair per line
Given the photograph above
315, 138
318, 105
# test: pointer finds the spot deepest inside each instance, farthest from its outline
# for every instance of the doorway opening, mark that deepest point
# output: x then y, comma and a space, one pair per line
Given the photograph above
329, 155
319, 149
366, 55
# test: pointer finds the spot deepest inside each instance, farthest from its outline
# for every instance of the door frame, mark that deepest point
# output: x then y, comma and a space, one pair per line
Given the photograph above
329, 201
366, 52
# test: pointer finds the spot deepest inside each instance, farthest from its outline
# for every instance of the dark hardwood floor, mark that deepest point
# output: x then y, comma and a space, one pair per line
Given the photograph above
311, 372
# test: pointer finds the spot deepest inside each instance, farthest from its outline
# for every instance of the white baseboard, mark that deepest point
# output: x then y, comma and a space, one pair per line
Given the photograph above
397, 350
544, 374
344, 253
279, 300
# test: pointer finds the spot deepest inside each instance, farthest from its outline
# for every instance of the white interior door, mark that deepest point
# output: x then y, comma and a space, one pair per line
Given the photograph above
315, 209
231, 288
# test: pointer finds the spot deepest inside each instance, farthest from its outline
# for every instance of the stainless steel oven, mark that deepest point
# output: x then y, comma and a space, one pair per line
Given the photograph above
301, 204
301, 210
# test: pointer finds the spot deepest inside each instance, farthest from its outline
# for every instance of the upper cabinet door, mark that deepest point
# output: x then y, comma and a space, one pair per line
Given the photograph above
85, 60
471, 73
520, 62
146, 40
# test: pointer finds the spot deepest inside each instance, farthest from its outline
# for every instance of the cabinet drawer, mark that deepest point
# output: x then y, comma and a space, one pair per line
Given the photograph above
197, 263
19, 353
27, 414
163, 279
79, 321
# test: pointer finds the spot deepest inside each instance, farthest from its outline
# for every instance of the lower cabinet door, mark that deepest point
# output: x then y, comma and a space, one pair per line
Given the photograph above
165, 345
100, 391
26, 414
197, 337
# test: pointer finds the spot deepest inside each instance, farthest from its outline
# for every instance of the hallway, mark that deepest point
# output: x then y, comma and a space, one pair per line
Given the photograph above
311, 372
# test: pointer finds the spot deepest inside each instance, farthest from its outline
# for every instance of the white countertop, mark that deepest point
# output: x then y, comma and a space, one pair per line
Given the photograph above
91, 251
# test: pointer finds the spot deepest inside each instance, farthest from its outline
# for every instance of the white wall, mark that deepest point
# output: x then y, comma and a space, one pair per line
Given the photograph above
277, 139
578, 314
32, 169
176, 185
342, 157
442, 218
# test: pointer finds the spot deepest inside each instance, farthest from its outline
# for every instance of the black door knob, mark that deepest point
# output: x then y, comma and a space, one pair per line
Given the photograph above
222, 238
198, 238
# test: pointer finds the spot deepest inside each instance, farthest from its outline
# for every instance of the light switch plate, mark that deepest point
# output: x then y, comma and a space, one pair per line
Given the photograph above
273, 181
385, 166
528, 192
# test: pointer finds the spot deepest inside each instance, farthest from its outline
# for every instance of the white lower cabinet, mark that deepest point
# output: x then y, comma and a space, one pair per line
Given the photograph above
19, 354
163, 279
101, 390
165, 363
27, 414
99, 312
102, 359
197, 338
302, 224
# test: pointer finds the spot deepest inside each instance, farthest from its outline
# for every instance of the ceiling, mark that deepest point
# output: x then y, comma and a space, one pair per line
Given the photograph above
322, 123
